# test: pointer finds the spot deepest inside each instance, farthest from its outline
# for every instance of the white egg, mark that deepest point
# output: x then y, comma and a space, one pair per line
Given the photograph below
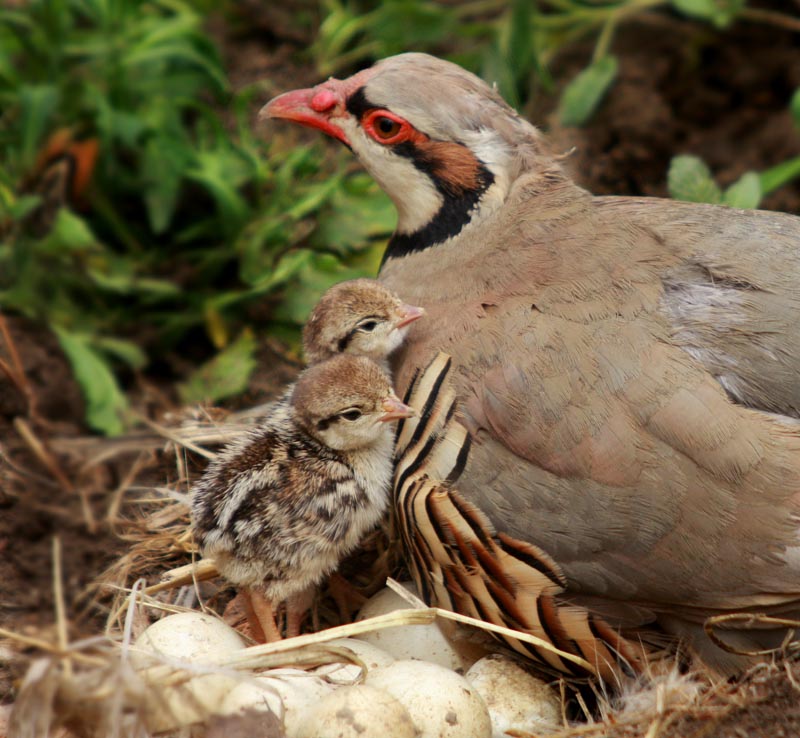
358, 712
289, 693
191, 637
516, 699
441, 703
188, 636
348, 673
423, 642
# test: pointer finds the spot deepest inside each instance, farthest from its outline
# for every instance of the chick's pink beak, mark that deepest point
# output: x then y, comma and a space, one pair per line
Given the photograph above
409, 313
394, 409
313, 107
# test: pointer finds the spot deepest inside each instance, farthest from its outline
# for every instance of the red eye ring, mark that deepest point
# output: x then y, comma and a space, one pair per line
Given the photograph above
387, 128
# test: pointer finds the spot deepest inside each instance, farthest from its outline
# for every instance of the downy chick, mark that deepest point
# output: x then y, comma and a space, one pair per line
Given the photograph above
280, 508
360, 317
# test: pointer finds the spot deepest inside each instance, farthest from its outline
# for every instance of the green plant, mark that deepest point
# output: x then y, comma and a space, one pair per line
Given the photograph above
509, 42
189, 222
689, 177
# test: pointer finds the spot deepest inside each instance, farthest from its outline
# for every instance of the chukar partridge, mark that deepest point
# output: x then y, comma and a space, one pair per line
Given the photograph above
279, 508
361, 317
255, 477
628, 369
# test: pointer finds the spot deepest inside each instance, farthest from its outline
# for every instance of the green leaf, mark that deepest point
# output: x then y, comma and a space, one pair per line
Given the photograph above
719, 12
70, 233
21, 206
317, 275
163, 163
126, 351
359, 212
777, 176
745, 192
105, 403
223, 376
690, 179
286, 268
584, 93
38, 103
794, 107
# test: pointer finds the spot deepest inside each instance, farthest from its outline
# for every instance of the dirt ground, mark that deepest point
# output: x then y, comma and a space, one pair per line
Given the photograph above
722, 96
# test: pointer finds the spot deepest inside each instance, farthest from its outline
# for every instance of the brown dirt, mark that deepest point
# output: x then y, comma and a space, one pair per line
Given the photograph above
681, 89
685, 89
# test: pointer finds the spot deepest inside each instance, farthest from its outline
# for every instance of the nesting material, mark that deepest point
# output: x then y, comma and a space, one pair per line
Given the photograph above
91, 689
371, 657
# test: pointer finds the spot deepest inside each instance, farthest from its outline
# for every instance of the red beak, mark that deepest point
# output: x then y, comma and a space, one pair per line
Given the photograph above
313, 107
394, 409
408, 314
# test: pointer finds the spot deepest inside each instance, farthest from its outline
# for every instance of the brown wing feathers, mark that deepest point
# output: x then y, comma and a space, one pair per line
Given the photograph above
460, 563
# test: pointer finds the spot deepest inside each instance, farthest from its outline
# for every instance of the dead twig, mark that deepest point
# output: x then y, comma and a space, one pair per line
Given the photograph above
16, 371
751, 620
42, 452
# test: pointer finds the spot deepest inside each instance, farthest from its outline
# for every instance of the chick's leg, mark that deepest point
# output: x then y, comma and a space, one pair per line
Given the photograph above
296, 607
347, 597
261, 615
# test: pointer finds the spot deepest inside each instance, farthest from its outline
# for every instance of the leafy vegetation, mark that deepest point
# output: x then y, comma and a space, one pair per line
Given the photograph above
179, 221
511, 42
690, 178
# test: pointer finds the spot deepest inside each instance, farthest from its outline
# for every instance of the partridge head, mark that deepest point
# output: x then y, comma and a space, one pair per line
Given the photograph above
279, 508
627, 368
361, 317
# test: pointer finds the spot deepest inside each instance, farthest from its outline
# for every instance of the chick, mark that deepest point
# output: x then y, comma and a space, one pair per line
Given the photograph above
359, 317
280, 508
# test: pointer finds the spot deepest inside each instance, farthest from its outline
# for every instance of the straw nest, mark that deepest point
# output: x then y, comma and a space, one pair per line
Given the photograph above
93, 687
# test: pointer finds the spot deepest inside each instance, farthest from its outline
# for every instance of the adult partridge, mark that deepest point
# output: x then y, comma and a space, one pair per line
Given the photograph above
628, 369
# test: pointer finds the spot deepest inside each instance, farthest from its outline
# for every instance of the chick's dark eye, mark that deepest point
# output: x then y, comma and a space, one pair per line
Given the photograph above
351, 415
368, 326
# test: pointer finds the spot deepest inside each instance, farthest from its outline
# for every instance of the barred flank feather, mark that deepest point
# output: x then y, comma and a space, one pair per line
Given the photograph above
460, 563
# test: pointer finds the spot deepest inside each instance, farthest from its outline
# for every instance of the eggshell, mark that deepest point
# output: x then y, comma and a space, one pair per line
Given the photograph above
441, 703
191, 637
516, 699
358, 712
423, 642
348, 673
188, 636
289, 693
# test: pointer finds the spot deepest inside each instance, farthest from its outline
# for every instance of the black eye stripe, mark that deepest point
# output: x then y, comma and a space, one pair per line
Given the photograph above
357, 104
344, 341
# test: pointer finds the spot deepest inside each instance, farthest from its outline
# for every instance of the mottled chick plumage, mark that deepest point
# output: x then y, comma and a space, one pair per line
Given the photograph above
361, 317
279, 508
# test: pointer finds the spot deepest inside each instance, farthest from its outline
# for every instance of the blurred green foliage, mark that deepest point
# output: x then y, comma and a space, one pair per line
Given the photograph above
190, 220
510, 42
690, 178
